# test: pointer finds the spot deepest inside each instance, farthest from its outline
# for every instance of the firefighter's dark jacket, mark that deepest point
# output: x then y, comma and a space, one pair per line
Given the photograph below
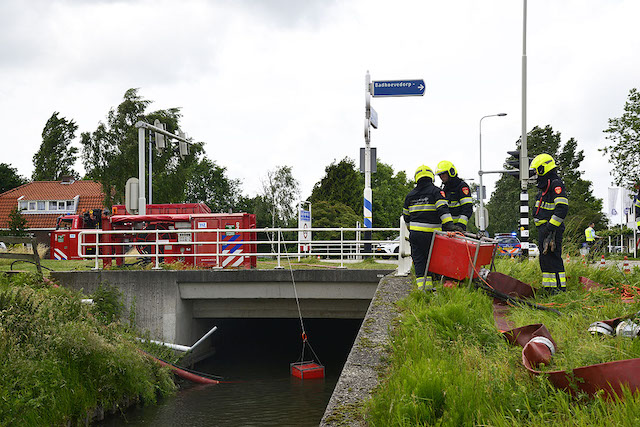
425, 207
552, 204
459, 200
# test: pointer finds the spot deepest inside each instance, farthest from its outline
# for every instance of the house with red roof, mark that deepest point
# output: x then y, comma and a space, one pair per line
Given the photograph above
42, 202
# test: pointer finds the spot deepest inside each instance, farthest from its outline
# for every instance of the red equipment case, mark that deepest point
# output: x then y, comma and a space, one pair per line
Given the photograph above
307, 370
233, 247
452, 256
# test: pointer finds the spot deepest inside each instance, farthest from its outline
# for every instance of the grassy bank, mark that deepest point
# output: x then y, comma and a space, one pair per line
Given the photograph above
60, 360
450, 366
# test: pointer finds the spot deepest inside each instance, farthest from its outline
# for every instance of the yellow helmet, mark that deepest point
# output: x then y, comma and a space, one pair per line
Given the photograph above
423, 171
446, 166
542, 164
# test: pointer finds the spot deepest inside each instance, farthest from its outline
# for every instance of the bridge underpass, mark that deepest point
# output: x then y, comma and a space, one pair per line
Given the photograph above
177, 306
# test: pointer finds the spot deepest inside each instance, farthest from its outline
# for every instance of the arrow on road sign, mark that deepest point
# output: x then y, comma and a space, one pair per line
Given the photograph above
397, 88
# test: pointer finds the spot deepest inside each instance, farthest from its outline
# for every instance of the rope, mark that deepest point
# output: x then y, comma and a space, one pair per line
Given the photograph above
305, 340
32, 262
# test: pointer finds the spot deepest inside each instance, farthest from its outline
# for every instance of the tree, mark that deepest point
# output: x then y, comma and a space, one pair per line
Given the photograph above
17, 223
9, 178
344, 184
208, 183
258, 206
333, 215
56, 158
110, 153
280, 191
341, 183
583, 206
624, 153
388, 192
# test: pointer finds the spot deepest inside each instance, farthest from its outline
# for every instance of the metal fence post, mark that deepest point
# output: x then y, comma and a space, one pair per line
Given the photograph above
97, 252
278, 253
157, 266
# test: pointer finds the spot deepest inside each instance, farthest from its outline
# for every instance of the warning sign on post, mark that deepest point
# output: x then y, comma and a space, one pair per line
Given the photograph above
304, 234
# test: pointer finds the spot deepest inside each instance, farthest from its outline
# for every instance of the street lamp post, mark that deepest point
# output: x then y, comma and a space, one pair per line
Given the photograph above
480, 216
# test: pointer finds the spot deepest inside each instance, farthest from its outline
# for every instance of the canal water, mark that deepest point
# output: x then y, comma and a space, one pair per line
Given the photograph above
253, 356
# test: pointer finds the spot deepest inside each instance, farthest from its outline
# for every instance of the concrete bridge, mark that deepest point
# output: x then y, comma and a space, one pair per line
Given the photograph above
172, 305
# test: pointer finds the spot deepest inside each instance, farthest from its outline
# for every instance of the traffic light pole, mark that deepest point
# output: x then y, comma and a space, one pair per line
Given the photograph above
524, 159
142, 128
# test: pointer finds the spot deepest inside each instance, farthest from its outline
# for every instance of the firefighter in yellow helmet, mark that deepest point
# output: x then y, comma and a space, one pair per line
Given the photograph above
425, 210
457, 194
550, 210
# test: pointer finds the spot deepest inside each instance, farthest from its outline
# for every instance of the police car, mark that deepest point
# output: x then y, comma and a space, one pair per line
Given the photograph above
508, 245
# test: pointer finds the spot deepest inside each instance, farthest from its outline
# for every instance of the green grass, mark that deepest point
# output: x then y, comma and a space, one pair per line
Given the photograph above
448, 364
47, 264
60, 359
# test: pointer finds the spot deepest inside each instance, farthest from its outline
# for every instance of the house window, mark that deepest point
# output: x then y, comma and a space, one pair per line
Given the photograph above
46, 206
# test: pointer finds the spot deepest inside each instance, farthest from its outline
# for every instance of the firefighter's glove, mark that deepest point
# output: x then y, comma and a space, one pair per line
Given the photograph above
459, 228
448, 226
549, 243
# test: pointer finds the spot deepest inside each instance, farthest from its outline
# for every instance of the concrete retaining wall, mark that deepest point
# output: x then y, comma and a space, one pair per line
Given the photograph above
360, 373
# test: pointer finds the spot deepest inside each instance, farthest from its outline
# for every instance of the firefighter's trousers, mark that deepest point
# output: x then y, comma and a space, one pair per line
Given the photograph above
551, 264
420, 246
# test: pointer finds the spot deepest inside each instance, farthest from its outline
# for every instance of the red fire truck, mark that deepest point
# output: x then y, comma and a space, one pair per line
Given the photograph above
171, 234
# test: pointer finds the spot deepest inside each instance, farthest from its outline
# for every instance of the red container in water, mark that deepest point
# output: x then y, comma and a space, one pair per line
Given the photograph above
307, 370
453, 256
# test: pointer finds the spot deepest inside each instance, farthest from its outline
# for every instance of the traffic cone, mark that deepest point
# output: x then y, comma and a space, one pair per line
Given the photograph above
568, 259
625, 266
602, 265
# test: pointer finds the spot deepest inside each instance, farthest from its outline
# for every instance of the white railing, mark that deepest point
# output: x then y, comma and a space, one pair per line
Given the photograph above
273, 238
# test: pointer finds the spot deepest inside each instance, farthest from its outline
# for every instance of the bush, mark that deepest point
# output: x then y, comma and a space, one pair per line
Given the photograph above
58, 361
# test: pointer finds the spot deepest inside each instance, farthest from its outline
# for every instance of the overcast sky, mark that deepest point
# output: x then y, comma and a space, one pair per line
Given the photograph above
268, 83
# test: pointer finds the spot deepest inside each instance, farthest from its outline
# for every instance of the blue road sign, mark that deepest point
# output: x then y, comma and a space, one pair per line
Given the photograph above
398, 88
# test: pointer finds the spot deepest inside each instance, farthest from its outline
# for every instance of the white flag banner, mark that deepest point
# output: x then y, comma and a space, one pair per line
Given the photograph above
613, 202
